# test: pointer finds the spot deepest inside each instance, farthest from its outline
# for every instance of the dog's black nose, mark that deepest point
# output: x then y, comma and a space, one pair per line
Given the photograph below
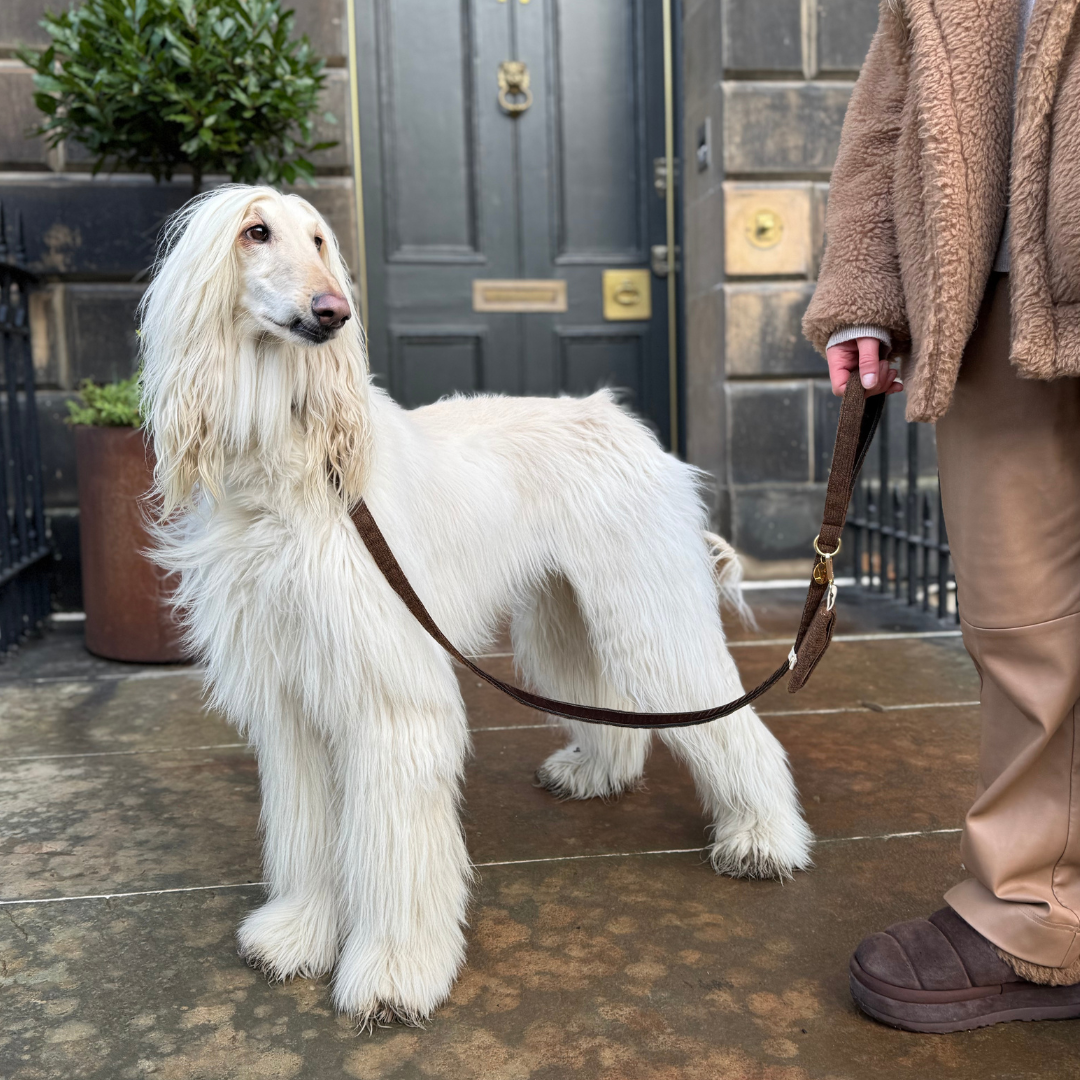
330, 309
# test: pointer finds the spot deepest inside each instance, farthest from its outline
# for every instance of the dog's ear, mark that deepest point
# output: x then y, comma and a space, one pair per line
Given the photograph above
335, 407
188, 336
334, 412
184, 396
179, 404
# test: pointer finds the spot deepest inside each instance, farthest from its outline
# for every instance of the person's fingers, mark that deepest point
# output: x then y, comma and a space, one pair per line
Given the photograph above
889, 381
870, 362
842, 359
886, 374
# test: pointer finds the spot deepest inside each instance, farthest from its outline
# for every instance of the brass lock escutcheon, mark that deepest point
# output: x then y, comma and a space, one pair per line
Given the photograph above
627, 295
514, 83
765, 229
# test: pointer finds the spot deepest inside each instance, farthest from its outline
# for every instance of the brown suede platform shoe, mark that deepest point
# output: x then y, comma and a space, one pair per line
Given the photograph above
940, 974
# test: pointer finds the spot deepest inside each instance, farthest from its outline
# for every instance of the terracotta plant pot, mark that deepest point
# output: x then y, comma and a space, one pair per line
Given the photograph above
124, 594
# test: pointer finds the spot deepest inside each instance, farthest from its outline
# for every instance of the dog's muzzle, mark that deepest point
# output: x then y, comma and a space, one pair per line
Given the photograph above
314, 334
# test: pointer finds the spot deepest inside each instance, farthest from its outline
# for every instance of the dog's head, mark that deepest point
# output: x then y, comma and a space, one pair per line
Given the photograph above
286, 259
250, 345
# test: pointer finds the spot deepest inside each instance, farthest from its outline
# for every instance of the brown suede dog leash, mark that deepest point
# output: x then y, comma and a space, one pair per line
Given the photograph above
859, 418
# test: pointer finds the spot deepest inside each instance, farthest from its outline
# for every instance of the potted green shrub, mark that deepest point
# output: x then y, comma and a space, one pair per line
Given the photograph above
124, 594
213, 86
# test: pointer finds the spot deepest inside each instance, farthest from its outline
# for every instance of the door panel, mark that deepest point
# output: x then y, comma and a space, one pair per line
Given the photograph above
599, 151
427, 107
432, 363
602, 358
455, 189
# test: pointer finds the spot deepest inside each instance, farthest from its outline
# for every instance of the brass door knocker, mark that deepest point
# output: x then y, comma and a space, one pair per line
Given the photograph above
514, 82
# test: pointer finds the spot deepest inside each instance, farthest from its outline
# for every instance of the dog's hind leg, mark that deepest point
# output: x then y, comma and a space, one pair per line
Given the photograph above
402, 854
296, 931
597, 762
744, 780
660, 642
553, 652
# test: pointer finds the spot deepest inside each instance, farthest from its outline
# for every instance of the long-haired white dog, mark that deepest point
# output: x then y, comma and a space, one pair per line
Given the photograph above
563, 514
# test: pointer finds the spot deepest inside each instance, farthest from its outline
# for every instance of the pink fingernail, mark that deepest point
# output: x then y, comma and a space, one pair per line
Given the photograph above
869, 379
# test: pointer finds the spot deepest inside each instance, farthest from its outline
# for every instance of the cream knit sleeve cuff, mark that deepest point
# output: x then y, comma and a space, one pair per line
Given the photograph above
850, 333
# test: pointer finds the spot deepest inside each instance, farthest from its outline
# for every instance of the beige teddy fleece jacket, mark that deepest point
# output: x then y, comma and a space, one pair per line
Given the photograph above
922, 181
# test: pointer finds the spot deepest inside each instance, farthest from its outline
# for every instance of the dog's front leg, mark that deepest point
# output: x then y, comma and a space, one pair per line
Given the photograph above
296, 931
402, 854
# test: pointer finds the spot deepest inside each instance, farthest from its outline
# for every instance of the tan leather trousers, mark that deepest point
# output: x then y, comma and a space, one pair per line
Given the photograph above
1009, 455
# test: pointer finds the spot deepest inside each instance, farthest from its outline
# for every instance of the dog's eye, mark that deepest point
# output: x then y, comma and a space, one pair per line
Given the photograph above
259, 233
318, 243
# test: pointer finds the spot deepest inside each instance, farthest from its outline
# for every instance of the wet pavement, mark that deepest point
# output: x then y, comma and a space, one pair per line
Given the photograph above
601, 946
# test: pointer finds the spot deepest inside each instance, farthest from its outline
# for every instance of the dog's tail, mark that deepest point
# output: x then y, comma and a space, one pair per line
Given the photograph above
728, 575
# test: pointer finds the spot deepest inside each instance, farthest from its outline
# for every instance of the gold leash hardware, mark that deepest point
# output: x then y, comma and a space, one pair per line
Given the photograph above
823, 571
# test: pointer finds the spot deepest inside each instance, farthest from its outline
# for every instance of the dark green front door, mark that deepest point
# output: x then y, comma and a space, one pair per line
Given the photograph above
458, 191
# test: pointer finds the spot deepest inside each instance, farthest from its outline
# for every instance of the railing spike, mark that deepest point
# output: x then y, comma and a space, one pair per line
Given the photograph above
928, 541
898, 531
25, 546
20, 240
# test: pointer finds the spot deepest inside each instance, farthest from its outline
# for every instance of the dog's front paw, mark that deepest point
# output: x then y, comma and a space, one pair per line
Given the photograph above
378, 984
574, 773
772, 847
288, 937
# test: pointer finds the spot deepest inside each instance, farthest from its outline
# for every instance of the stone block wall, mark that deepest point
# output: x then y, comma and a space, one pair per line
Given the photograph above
92, 239
766, 85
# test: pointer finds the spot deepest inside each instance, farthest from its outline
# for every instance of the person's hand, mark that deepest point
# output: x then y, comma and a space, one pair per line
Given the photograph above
864, 356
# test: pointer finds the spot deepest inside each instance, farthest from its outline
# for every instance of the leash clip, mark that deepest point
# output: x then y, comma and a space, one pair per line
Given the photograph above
792, 659
826, 555
823, 570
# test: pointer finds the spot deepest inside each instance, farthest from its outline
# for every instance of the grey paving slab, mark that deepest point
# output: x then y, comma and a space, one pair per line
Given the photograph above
777, 612
878, 673
61, 654
93, 716
869, 773
127, 822
159, 708
131, 821
113, 793
861, 773
608, 970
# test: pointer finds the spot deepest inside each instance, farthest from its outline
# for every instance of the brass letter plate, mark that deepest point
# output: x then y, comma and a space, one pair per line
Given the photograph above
518, 294
627, 295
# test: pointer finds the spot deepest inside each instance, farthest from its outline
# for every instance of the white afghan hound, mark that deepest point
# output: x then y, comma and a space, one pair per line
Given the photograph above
564, 514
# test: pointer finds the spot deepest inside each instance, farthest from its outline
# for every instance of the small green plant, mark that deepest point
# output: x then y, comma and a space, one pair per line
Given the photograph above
213, 85
110, 405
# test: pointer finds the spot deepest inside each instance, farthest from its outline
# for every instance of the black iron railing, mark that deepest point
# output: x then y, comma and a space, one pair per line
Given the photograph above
896, 530
24, 542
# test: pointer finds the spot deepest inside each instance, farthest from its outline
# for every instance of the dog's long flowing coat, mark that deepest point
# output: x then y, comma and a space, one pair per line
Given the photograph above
564, 514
